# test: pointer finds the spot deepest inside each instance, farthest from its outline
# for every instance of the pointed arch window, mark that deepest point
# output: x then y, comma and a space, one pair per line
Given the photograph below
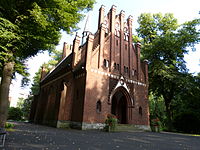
117, 29
117, 33
106, 63
133, 72
98, 106
117, 43
126, 34
106, 24
126, 69
116, 66
140, 111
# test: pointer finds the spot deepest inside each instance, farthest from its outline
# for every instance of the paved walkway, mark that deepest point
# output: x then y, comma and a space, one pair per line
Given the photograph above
36, 137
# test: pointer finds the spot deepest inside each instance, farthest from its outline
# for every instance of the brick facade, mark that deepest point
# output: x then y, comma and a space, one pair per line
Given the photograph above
101, 76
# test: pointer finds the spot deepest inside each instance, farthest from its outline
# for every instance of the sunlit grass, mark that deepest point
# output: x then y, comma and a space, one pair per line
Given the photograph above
9, 125
10, 129
195, 135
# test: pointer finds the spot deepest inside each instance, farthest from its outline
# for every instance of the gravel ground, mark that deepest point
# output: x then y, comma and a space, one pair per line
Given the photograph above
26, 136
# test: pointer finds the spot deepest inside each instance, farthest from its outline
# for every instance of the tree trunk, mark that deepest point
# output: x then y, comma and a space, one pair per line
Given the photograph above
4, 91
169, 116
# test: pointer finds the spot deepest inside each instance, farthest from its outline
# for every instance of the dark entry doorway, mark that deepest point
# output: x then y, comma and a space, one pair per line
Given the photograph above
119, 107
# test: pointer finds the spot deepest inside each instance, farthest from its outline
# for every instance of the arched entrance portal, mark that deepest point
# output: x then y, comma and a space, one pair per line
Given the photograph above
119, 106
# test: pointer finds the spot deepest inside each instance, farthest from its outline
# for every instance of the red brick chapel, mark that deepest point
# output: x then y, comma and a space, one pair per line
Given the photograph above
99, 74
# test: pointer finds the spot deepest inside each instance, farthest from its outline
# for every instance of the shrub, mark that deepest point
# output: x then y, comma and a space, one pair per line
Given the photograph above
9, 125
15, 113
111, 123
188, 122
155, 125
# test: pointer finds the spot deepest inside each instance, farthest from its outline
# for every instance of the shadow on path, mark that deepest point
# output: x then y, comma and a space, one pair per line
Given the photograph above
28, 136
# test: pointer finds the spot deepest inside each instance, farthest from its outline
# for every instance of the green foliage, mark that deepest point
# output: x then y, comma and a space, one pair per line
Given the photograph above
164, 44
9, 125
111, 123
14, 114
187, 122
155, 125
27, 27
154, 25
186, 107
35, 88
157, 109
25, 106
56, 56
136, 39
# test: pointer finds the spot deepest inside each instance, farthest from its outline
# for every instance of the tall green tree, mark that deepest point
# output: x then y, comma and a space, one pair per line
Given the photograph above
164, 44
30, 26
186, 110
24, 104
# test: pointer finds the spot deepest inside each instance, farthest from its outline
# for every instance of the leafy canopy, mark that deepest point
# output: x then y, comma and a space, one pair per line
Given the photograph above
164, 44
30, 26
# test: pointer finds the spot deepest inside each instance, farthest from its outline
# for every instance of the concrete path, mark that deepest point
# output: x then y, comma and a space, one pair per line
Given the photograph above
36, 137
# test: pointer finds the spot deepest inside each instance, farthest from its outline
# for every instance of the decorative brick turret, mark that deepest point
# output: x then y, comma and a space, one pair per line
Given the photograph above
75, 49
66, 50
43, 73
101, 15
138, 47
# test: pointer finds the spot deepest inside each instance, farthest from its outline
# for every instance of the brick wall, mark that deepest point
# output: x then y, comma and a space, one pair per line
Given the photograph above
108, 63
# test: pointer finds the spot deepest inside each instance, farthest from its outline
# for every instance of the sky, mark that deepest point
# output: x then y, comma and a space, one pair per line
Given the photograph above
183, 10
